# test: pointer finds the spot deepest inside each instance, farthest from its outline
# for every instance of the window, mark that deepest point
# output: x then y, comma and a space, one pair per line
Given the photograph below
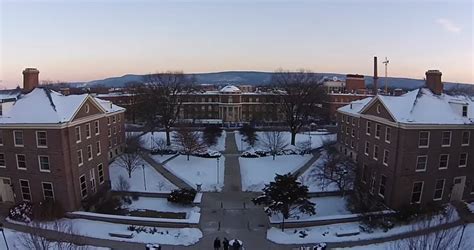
369, 125
18, 137
439, 188
443, 161
109, 133
424, 139
465, 138
377, 130
463, 160
446, 139
353, 133
421, 161
98, 149
115, 130
352, 144
87, 107
417, 192
82, 180
365, 173
367, 146
48, 192
353, 121
1, 138
108, 120
114, 119
383, 182
372, 184
89, 152
21, 162
25, 190
385, 157
43, 161
92, 180
96, 127
388, 135
78, 134
378, 108
464, 111
88, 130
2, 160
41, 139
100, 169
347, 119
79, 157
376, 152
342, 118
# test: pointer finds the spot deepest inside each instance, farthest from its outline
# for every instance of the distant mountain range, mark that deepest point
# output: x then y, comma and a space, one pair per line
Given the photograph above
258, 78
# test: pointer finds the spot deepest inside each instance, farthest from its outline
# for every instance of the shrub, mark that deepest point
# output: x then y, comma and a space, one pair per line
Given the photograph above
109, 206
48, 210
22, 212
182, 196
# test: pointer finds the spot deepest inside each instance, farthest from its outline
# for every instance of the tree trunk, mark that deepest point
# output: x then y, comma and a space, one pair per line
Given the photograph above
283, 224
274, 156
188, 156
168, 138
129, 174
293, 137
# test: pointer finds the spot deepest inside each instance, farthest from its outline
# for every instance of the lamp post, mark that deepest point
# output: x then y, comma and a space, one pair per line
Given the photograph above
4, 238
144, 179
218, 169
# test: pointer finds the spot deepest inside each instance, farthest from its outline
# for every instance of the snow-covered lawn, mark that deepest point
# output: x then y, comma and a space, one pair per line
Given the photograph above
198, 170
161, 158
317, 139
311, 177
470, 206
149, 140
256, 172
16, 240
161, 205
327, 233
330, 207
155, 182
101, 230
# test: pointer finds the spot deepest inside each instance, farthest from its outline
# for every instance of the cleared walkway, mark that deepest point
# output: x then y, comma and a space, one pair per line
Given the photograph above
164, 172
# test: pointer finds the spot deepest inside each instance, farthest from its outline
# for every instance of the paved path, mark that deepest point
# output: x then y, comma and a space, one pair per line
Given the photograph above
164, 172
232, 179
308, 164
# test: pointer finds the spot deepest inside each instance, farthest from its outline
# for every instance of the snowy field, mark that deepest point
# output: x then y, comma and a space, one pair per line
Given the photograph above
256, 172
149, 140
317, 139
198, 170
161, 205
331, 207
155, 182
101, 230
312, 179
327, 233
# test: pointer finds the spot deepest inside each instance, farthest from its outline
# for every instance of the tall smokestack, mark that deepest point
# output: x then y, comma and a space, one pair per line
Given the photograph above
375, 90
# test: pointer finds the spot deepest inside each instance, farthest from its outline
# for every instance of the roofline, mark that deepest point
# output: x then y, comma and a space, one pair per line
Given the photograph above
372, 101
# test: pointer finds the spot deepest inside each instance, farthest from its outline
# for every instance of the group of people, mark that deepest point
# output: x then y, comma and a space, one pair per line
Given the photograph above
227, 245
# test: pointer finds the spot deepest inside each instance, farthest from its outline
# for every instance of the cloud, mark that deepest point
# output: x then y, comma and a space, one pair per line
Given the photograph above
448, 25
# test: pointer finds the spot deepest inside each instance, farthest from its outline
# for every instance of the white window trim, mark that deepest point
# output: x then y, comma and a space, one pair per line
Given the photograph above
421, 192
103, 174
442, 190
1, 136
92, 180
424, 146
426, 163
5, 160
447, 162
14, 138
468, 138
80, 185
385, 163
367, 132
386, 133
99, 147
374, 151
37, 140
97, 125
467, 159
380, 184
88, 125
52, 189
39, 164
367, 148
18, 166
450, 139
82, 158
380, 130
92, 152
80, 136
29, 190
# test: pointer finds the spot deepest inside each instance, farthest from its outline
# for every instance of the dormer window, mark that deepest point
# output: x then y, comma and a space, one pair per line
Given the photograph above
464, 111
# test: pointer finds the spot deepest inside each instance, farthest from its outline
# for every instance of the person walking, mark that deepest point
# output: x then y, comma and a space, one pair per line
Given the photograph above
217, 244
225, 243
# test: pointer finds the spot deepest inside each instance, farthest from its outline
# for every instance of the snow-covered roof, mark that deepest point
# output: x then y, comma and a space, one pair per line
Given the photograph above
421, 106
108, 106
10, 94
229, 88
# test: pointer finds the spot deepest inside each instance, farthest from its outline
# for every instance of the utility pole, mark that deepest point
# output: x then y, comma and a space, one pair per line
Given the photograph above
385, 80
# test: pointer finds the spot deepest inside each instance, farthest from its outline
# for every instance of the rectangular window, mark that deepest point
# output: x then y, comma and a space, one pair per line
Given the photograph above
446, 139
443, 161
82, 180
44, 163
353, 121
89, 152
342, 118
109, 133
115, 130
383, 182
464, 111
48, 192
92, 180
78, 134
376, 152
96, 127
347, 130
41, 139
88, 130
388, 135
347, 119
100, 169
79, 157
108, 120
2, 160
424, 139
385, 157
421, 162
1, 138
119, 117
463, 160
416, 192
21, 162
368, 128
25, 190
98, 149
439, 188
353, 133
372, 184
352, 143
367, 146
18, 138
377, 130
114, 120
465, 138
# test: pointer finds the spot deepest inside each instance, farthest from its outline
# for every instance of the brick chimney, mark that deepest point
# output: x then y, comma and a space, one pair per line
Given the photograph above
433, 81
30, 79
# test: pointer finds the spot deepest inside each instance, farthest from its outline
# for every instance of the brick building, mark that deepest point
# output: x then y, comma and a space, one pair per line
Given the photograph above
416, 148
57, 147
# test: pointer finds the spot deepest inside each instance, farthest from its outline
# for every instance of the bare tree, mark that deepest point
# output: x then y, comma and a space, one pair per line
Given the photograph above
338, 169
189, 141
274, 142
63, 233
129, 161
162, 97
133, 142
122, 184
299, 96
